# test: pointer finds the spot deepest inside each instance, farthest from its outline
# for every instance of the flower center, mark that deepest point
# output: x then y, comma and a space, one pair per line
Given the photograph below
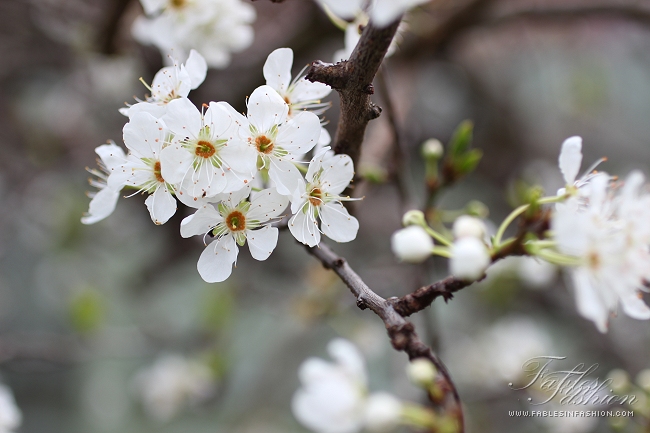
264, 144
156, 172
594, 260
178, 3
205, 149
315, 197
288, 101
236, 221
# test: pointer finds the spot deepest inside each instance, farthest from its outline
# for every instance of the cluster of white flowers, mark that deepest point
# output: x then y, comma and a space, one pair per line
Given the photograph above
605, 224
382, 12
172, 383
239, 171
216, 28
334, 395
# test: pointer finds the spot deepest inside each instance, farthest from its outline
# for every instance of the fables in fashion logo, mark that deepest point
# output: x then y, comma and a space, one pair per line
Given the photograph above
568, 387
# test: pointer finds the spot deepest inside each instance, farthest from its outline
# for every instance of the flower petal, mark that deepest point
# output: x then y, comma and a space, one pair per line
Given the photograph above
204, 219
571, 158
337, 223
286, 176
588, 301
262, 242
144, 135
338, 171
196, 68
215, 263
183, 119
303, 227
102, 205
161, 205
266, 108
300, 134
267, 204
635, 307
277, 69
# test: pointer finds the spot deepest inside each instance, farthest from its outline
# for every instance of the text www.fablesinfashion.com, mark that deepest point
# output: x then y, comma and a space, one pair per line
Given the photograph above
571, 413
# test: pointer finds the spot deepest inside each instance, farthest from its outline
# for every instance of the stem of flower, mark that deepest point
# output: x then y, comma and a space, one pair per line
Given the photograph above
437, 236
520, 210
442, 251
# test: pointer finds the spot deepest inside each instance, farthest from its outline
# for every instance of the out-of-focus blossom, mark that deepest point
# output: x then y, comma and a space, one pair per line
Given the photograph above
381, 12
470, 258
466, 225
215, 28
333, 397
10, 415
412, 244
172, 383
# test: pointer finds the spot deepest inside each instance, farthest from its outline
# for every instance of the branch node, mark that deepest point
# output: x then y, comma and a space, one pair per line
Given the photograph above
369, 89
361, 303
374, 112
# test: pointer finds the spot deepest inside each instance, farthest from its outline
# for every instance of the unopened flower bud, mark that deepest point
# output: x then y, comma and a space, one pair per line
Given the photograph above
412, 244
477, 209
643, 379
421, 371
382, 412
414, 218
470, 259
620, 380
468, 226
432, 149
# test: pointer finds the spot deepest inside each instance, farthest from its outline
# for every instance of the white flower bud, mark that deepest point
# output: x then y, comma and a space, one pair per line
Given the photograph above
643, 379
411, 244
432, 148
620, 380
470, 259
414, 218
468, 226
421, 371
382, 412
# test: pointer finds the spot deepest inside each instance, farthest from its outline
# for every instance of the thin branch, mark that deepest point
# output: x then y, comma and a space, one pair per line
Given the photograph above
424, 296
401, 332
352, 79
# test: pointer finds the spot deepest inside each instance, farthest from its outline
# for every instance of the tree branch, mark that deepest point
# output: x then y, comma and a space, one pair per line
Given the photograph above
424, 296
401, 332
352, 79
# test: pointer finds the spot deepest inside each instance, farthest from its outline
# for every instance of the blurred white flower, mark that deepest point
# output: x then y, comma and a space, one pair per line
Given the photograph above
421, 371
610, 237
236, 221
10, 415
172, 383
353, 34
382, 12
411, 244
171, 82
215, 28
334, 395
300, 93
535, 273
470, 258
469, 226
328, 175
103, 202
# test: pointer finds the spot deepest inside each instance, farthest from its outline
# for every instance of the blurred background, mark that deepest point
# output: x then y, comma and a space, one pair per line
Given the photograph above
86, 311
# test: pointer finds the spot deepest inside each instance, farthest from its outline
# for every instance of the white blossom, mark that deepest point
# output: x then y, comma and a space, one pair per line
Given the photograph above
412, 244
171, 82
353, 34
470, 258
103, 202
172, 383
300, 93
276, 139
421, 371
10, 415
145, 136
382, 12
333, 397
328, 175
610, 238
215, 28
469, 226
206, 156
234, 222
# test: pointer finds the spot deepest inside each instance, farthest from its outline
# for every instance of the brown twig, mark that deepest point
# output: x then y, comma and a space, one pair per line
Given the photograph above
401, 332
352, 79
